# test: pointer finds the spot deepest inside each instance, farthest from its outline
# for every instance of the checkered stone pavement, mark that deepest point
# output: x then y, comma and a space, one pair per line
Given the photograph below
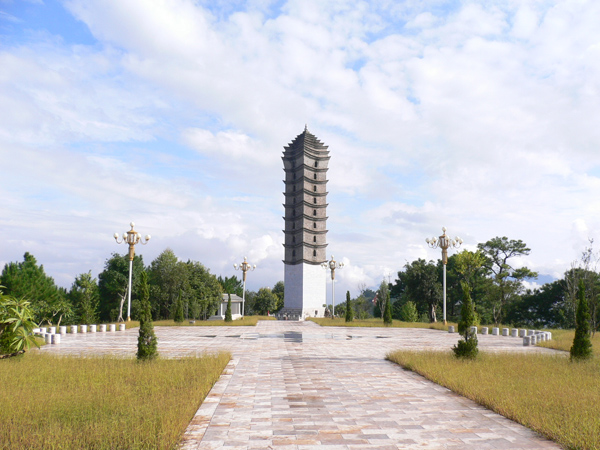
296, 385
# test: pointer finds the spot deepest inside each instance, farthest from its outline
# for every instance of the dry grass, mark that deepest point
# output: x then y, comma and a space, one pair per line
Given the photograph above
548, 394
246, 321
563, 340
101, 403
341, 322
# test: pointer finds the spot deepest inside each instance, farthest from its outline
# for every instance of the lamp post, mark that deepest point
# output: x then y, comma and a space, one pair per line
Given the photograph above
132, 237
244, 267
332, 265
444, 243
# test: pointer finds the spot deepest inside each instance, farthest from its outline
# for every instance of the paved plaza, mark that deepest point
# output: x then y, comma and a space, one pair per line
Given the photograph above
296, 385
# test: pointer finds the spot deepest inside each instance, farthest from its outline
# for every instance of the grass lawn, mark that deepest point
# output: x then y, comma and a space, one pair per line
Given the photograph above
548, 394
101, 403
341, 322
563, 340
246, 321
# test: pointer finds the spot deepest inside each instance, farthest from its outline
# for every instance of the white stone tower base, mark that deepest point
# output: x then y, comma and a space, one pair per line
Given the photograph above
305, 291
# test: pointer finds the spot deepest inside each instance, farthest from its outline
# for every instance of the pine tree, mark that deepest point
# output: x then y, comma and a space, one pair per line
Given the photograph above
349, 310
467, 347
582, 345
178, 316
228, 310
147, 341
387, 314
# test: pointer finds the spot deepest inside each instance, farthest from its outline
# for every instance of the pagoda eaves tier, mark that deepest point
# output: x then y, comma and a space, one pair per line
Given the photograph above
305, 163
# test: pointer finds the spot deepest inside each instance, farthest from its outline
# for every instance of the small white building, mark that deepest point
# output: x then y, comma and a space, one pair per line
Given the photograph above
236, 308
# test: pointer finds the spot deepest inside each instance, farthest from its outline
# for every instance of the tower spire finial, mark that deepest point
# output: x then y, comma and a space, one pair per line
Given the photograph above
305, 127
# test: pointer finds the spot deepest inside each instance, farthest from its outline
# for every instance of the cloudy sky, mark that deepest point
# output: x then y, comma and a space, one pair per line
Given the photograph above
481, 116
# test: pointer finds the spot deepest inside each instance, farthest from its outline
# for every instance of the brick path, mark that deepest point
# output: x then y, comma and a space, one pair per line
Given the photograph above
295, 385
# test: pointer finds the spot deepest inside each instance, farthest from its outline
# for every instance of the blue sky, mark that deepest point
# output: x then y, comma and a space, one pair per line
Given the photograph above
477, 116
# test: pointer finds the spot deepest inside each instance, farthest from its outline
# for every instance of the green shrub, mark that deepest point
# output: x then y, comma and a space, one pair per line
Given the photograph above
409, 313
349, 310
228, 310
147, 342
387, 313
582, 344
467, 347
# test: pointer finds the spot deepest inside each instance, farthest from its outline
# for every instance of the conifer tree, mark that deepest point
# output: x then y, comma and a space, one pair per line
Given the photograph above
178, 317
467, 347
228, 310
582, 344
147, 341
349, 310
387, 314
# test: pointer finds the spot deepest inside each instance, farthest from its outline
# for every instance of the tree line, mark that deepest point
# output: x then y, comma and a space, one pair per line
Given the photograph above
104, 299
496, 285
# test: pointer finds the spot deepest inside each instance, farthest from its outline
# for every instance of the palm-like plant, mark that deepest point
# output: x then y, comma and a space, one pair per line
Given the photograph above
16, 325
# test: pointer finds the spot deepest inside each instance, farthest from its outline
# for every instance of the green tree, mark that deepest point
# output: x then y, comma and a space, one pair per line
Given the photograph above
178, 316
381, 299
467, 347
582, 344
166, 276
507, 281
231, 285
204, 291
264, 302
147, 342
27, 280
408, 312
279, 290
387, 315
85, 298
228, 310
113, 283
419, 283
349, 310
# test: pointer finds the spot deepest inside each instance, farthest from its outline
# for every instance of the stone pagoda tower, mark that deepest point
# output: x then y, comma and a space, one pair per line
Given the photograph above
305, 163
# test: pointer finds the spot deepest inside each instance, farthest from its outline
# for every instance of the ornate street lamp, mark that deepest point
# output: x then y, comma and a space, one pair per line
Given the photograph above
244, 267
132, 238
444, 243
332, 265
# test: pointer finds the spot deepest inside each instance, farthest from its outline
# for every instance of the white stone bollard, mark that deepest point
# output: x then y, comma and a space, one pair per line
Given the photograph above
56, 338
526, 341
505, 331
541, 337
43, 330
121, 327
52, 330
48, 338
83, 328
474, 330
92, 328
514, 332
484, 330
36, 331
112, 327
102, 328
533, 338
62, 330
495, 331
530, 332
450, 328
522, 332
73, 329
548, 336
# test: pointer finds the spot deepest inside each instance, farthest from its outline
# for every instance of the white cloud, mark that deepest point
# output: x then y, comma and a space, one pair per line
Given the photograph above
481, 118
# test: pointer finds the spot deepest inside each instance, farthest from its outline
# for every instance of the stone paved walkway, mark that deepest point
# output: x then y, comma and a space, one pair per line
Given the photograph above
295, 385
